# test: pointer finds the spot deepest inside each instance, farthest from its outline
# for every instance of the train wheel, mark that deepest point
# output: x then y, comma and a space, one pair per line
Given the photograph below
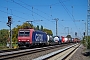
28, 46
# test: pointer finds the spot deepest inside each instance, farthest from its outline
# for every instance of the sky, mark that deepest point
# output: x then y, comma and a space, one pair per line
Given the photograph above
71, 14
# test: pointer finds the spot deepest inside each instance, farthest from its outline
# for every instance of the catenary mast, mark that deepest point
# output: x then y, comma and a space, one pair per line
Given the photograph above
88, 22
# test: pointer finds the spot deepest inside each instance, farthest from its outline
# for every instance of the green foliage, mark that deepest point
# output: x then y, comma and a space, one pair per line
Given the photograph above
4, 35
86, 41
41, 28
88, 47
27, 25
37, 28
49, 32
14, 44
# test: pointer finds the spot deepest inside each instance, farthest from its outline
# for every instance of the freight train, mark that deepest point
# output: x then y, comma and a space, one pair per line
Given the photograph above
31, 37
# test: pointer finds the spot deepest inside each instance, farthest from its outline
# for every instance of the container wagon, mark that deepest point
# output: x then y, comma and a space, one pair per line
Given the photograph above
57, 40
64, 39
53, 40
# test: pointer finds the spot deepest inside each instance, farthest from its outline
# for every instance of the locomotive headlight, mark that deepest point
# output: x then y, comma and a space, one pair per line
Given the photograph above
27, 40
19, 40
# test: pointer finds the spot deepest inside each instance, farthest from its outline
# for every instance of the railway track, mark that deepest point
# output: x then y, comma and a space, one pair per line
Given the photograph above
9, 50
63, 54
17, 49
13, 54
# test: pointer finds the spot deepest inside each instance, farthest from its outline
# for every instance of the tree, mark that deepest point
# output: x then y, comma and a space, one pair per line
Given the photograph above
41, 28
49, 32
4, 35
27, 25
37, 28
15, 33
86, 41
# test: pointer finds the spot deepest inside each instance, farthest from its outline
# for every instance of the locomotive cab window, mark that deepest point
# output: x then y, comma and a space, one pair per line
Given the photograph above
24, 33
21, 33
27, 33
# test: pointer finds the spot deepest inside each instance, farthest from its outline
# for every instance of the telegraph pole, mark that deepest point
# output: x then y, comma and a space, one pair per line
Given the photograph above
9, 25
56, 19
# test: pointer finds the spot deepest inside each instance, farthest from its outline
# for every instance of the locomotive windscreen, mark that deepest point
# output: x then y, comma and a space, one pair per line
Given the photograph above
24, 33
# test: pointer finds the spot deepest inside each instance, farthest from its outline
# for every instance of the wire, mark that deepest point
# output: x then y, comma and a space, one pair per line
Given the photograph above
34, 8
28, 9
65, 8
13, 14
71, 16
14, 11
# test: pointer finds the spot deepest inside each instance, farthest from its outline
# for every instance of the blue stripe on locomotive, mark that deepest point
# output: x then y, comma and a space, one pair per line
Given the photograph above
39, 37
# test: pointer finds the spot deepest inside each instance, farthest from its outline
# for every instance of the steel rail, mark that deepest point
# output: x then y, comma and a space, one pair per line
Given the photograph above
13, 54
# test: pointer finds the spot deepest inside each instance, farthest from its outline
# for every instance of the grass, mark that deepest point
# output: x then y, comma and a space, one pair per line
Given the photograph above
14, 44
4, 47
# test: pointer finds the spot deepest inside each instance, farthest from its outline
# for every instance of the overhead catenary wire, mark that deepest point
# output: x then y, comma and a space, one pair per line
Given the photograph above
28, 9
32, 10
51, 15
16, 11
31, 6
57, 26
71, 16
13, 15
10, 13
35, 8
25, 7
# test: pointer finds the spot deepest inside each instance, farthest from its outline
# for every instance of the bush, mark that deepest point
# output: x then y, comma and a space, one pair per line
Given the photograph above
88, 46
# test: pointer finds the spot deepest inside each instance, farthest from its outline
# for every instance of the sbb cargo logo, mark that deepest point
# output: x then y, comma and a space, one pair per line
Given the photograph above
39, 37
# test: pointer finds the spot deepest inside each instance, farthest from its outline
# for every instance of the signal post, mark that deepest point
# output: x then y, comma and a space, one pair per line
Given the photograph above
9, 25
